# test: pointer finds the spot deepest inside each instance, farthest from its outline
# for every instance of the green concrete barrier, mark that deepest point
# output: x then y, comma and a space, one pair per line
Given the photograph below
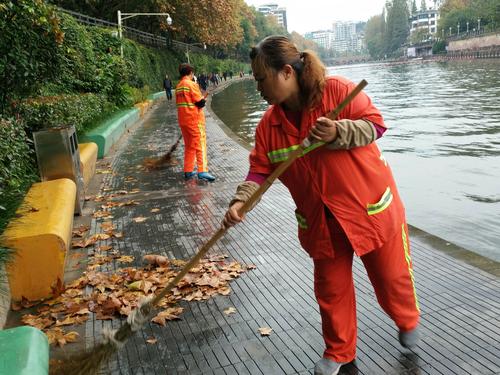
24, 351
157, 95
108, 133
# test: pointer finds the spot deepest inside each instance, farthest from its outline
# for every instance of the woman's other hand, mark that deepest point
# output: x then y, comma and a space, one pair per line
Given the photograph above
324, 130
232, 217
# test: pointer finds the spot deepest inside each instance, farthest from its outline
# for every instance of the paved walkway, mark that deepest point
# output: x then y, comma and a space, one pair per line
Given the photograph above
460, 303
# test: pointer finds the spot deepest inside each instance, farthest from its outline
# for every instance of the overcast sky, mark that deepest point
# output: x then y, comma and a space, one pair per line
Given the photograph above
310, 15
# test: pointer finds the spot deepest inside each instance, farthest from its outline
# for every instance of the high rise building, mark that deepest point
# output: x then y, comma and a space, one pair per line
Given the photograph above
276, 11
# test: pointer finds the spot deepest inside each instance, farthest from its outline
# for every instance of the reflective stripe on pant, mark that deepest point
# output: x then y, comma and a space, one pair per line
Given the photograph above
195, 147
390, 271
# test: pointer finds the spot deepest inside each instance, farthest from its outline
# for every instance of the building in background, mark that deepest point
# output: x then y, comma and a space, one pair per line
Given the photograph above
274, 10
344, 37
425, 21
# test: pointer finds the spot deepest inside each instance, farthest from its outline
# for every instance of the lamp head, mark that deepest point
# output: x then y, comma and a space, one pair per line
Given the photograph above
169, 20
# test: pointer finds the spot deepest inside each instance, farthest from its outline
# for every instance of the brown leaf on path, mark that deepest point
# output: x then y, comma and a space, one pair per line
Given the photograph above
151, 340
106, 226
37, 321
59, 337
102, 214
139, 219
265, 331
230, 310
125, 259
153, 210
251, 267
171, 313
80, 230
153, 259
104, 247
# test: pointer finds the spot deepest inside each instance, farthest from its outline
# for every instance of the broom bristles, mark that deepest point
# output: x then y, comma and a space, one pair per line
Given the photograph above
165, 159
86, 363
89, 362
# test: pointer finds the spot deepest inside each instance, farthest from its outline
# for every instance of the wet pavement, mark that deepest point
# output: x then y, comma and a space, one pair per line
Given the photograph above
460, 304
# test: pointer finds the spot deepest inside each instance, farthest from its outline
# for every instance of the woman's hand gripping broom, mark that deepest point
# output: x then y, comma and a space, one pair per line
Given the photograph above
89, 362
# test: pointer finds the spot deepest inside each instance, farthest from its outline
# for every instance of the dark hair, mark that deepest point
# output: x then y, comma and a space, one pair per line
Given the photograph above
275, 51
185, 69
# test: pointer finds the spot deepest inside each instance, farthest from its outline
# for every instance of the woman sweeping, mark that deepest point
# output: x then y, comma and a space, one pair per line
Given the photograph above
347, 200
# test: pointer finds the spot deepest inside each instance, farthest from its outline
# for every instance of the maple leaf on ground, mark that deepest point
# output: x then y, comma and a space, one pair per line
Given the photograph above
171, 313
265, 331
80, 231
230, 310
59, 337
125, 259
154, 259
104, 248
37, 321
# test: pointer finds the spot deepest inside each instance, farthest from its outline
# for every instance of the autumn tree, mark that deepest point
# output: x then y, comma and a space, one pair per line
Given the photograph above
374, 36
397, 26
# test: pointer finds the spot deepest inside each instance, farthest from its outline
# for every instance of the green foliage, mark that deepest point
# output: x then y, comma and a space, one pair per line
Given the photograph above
17, 167
397, 27
375, 36
206, 64
5, 257
79, 110
460, 12
439, 47
30, 36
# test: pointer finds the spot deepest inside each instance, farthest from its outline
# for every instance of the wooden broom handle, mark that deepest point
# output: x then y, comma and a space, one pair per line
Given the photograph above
253, 198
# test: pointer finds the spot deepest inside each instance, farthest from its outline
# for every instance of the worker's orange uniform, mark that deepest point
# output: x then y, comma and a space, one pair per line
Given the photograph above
192, 123
347, 202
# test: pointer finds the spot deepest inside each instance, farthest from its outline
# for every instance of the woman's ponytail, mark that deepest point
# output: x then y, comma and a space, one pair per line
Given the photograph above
311, 79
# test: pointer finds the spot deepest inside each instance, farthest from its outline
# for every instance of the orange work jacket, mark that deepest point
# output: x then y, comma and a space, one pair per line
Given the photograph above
356, 185
187, 93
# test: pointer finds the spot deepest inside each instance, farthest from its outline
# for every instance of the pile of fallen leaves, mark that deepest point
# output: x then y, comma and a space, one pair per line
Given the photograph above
114, 295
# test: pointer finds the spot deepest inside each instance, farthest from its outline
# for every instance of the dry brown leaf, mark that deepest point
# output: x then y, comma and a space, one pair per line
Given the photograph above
125, 259
265, 331
153, 210
151, 340
171, 313
139, 219
230, 310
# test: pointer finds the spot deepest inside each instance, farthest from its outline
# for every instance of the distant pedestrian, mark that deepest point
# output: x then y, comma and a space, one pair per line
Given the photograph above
167, 85
190, 103
346, 197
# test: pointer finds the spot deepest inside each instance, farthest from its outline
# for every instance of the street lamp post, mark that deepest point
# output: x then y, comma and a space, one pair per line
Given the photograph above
450, 30
193, 44
124, 16
478, 25
467, 27
458, 29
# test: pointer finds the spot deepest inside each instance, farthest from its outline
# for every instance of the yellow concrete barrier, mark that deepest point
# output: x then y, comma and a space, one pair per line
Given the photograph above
88, 159
41, 235
143, 107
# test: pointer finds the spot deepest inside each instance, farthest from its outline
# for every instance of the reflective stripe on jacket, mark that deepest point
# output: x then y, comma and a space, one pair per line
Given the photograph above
187, 93
356, 185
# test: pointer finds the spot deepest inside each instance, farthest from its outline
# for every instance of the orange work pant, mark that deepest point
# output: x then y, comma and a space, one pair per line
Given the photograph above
390, 271
195, 147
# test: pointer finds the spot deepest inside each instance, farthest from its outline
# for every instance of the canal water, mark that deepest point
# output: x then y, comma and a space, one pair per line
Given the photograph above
443, 142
